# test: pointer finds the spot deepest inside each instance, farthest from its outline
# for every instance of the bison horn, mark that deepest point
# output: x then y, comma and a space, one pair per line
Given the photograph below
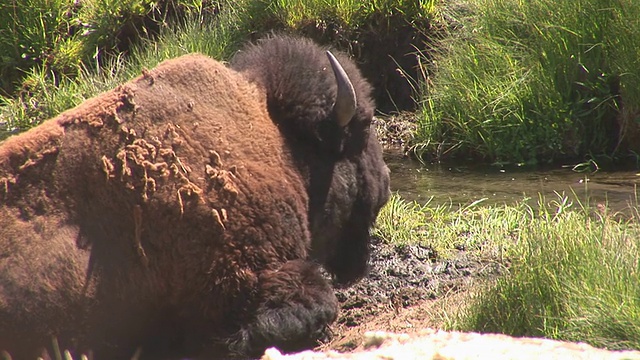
345, 106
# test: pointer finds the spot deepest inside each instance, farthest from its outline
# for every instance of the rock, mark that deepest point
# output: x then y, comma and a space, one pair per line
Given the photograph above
440, 345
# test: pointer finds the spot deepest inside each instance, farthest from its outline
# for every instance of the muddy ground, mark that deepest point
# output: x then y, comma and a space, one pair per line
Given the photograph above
396, 132
408, 289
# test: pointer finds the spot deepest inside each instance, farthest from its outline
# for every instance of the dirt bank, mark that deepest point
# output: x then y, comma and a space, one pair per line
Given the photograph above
406, 290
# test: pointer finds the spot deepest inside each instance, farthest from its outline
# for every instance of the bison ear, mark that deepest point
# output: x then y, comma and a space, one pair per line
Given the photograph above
345, 105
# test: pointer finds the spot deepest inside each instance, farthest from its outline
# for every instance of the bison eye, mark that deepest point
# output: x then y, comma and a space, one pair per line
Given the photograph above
331, 136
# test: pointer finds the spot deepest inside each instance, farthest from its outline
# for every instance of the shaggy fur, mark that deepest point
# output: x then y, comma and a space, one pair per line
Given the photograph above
184, 214
348, 180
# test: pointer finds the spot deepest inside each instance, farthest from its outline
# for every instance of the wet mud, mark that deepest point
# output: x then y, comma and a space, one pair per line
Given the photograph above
396, 132
403, 277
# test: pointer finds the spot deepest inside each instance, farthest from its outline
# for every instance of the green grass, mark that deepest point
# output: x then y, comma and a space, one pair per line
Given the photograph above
49, 94
74, 49
575, 277
533, 81
57, 54
574, 270
350, 14
515, 82
62, 35
486, 231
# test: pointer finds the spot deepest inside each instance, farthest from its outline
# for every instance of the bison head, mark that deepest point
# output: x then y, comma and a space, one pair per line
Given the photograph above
322, 106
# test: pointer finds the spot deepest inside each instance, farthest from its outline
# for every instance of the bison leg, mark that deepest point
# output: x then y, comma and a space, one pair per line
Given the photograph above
296, 306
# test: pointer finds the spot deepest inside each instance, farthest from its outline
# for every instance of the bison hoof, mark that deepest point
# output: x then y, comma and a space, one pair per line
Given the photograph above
296, 307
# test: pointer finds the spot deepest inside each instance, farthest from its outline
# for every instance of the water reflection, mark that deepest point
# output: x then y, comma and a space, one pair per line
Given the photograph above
465, 184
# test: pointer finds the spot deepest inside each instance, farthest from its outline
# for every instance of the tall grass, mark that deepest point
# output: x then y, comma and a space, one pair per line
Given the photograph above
47, 93
297, 14
575, 276
85, 38
523, 81
573, 270
58, 53
486, 231
62, 35
30, 32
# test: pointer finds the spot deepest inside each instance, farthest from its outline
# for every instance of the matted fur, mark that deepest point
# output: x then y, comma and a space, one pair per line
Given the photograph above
171, 215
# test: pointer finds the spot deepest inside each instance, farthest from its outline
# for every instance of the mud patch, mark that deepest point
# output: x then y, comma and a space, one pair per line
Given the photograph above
403, 282
396, 132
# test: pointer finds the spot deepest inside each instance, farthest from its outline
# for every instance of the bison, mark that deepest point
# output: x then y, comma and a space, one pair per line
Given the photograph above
189, 212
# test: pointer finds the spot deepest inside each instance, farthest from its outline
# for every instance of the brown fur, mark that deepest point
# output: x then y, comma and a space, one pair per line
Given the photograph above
165, 214
348, 180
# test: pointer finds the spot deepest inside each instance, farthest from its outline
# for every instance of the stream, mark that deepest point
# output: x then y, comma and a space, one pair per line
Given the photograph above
462, 185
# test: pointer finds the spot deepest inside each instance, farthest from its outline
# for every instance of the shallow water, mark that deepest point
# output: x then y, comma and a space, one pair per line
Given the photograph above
465, 184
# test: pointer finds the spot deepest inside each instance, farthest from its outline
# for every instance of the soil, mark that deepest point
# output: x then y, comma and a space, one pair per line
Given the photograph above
408, 289
396, 132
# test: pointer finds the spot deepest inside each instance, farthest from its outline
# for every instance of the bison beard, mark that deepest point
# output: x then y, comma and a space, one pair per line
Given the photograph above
310, 305
188, 211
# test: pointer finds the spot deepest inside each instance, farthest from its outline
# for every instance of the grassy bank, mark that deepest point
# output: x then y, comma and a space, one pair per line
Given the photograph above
508, 82
58, 53
573, 270
534, 82
574, 278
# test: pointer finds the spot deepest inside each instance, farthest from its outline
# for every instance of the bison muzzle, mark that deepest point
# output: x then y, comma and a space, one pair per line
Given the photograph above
189, 212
